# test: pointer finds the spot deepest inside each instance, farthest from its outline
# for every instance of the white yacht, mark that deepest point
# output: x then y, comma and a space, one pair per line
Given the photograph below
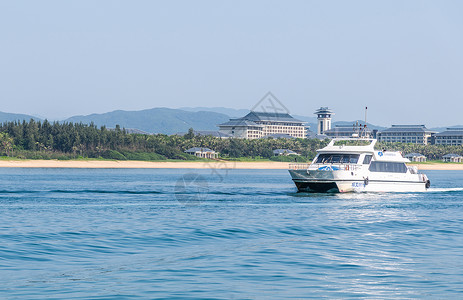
345, 166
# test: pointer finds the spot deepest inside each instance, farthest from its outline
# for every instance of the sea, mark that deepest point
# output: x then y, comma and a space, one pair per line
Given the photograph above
223, 234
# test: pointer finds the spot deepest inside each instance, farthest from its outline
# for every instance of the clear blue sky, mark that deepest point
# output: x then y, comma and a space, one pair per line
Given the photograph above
402, 59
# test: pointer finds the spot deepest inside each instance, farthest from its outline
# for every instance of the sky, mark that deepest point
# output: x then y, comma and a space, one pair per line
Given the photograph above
402, 59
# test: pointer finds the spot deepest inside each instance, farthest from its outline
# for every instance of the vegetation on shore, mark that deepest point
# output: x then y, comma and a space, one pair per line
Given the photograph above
45, 140
64, 141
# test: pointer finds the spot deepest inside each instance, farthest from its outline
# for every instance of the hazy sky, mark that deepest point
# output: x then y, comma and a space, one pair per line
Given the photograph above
402, 59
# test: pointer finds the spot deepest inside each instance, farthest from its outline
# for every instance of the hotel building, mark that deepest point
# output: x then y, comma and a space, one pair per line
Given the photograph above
452, 136
260, 124
415, 134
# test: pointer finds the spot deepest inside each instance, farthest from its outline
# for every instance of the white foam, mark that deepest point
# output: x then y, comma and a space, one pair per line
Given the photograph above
440, 190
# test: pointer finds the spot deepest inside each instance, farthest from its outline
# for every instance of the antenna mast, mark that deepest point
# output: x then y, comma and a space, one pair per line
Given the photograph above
365, 125
366, 109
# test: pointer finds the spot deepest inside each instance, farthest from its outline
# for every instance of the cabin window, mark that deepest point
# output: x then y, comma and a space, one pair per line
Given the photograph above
337, 158
367, 159
386, 166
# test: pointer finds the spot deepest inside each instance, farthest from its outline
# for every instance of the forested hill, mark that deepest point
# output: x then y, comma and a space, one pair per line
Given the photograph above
9, 117
156, 120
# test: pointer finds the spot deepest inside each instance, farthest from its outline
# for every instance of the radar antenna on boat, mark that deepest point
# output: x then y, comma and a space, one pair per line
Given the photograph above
361, 131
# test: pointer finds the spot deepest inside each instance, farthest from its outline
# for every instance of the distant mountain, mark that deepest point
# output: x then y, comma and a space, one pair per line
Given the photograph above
305, 118
170, 121
232, 112
8, 117
156, 120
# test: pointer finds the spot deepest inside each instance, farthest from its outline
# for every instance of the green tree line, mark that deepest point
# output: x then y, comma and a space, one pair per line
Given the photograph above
45, 140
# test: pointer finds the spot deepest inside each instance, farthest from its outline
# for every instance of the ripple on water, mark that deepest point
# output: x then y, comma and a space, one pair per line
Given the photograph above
122, 234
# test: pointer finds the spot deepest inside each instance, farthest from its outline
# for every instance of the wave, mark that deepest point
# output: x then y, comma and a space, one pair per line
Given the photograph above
81, 192
207, 191
445, 190
165, 192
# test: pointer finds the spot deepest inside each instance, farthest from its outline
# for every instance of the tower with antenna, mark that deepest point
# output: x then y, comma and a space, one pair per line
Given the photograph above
324, 119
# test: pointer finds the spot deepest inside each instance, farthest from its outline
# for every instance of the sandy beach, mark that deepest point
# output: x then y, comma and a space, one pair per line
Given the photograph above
443, 167
98, 164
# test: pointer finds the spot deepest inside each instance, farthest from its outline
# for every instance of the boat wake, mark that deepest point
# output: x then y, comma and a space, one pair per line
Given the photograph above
444, 190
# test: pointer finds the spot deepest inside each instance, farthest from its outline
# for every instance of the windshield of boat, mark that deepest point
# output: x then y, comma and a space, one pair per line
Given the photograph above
367, 159
337, 158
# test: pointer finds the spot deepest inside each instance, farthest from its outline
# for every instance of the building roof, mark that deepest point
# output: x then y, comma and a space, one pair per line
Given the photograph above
284, 151
240, 122
407, 128
198, 149
313, 135
414, 155
324, 110
271, 116
254, 116
451, 155
451, 132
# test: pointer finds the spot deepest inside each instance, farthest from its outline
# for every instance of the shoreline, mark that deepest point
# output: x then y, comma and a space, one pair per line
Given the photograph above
439, 166
132, 164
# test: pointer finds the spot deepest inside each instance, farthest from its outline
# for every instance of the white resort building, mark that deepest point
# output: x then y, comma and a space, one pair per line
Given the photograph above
452, 157
257, 125
416, 157
285, 152
202, 152
452, 136
415, 134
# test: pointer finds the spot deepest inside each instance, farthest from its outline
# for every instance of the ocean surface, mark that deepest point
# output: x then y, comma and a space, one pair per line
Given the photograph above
223, 234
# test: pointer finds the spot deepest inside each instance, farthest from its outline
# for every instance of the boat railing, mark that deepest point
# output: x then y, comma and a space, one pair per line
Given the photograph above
299, 166
351, 167
342, 167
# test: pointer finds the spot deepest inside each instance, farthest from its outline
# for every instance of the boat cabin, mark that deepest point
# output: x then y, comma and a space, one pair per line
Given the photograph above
345, 154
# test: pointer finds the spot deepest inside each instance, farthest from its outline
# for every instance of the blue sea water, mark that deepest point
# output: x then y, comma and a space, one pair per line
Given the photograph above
216, 234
